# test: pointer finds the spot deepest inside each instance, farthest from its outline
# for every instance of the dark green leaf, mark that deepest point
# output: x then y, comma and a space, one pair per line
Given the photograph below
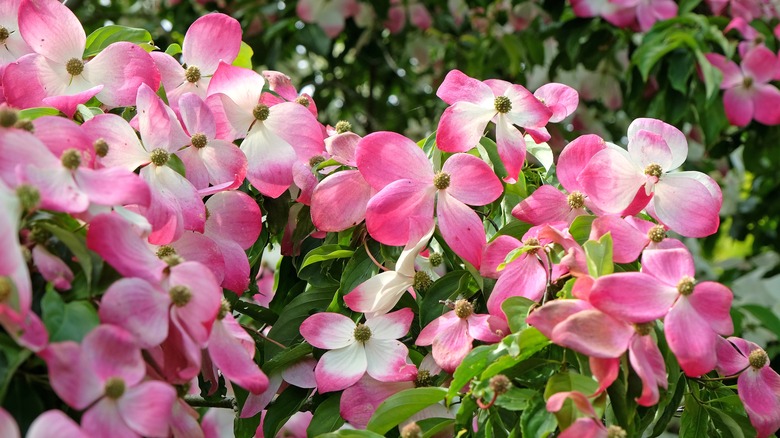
769, 320
285, 331
359, 268
107, 35
670, 409
286, 357
285, 405
695, 421
175, 163
77, 244
326, 252
67, 322
326, 417
536, 421
569, 381
400, 406
516, 310
472, 365
348, 433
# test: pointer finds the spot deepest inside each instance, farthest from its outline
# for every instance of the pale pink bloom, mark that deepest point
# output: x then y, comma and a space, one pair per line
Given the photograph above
218, 423
56, 75
328, 14
452, 334
105, 373
276, 136
609, 10
649, 11
52, 268
54, 423
758, 385
13, 46
631, 235
370, 347
561, 99
408, 188
687, 202
231, 350
281, 84
380, 293
8, 426
184, 419
265, 285
694, 313
589, 426
295, 427
749, 95
474, 103
751, 37
210, 39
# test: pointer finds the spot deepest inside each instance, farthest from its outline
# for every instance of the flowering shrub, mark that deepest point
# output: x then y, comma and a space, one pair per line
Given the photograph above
143, 199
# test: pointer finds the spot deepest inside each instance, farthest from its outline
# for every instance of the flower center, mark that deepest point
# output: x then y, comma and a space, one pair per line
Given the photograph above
6, 288
29, 197
74, 66
534, 243
411, 430
685, 286
441, 180
503, 104
165, 251
653, 169
192, 74
615, 431
436, 259
26, 125
301, 100
343, 126
362, 333
159, 157
224, 309
115, 387
657, 233
644, 328
423, 379
172, 259
422, 281
747, 82
261, 112
71, 159
500, 384
101, 147
8, 117
758, 358
180, 295
463, 309
199, 140
576, 200
316, 160
4, 34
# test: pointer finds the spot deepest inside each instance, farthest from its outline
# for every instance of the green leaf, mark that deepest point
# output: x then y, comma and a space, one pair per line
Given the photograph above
516, 310
285, 331
769, 320
599, 256
444, 288
77, 244
434, 426
285, 405
244, 427
107, 35
569, 381
359, 268
516, 229
728, 425
34, 113
173, 50
326, 417
514, 255
67, 322
670, 409
11, 357
175, 163
326, 252
540, 151
492, 151
472, 365
244, 58
519, 347
286, 357
400, 406
536, 421
712, 76
580, 228
695, 421
255, 311
348, 433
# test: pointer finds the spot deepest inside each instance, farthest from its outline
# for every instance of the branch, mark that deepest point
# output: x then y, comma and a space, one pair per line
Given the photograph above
200, 402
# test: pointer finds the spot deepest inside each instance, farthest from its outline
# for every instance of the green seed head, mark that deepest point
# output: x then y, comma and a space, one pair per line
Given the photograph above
423, 379
343, 126
29, 197
71, 159
747, 82
441, 180
180, 295
224, 309
6, 288
758, 358
463, 309
192, 74
261, 112
101, 147
316, 160
114, 388
26, 125
653, 169
615, 431
644, 329
159, 157
165, 251
576, 200
657, 233
422, 281
302, 100
173, 260
4, 34
8, 116
199, 140
503, 104
686, 285
436, 259
500, 384
362, 333
74, 66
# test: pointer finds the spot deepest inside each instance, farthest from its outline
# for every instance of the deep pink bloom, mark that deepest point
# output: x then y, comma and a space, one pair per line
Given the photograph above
408, 188
54, 423
631, 235
649, 11
231, 350
589, 426
749, 95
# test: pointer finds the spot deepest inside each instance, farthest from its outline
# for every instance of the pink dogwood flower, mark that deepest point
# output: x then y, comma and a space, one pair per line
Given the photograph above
329, 15
758, 385
687, 202
56, 74
588, 426
631, 235
647, 12
694, 313
408, 188
12, 45
749, 95
474, 103
355, 349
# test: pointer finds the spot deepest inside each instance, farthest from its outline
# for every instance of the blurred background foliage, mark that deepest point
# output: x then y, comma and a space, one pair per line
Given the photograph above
381, 72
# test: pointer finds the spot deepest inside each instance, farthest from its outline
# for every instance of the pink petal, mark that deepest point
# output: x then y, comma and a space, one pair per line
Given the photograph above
585, 427
472, 181
104, 419
627, 241
452, 345
691, 339
594, 334
511, 148
146, 408
561, 99
301, 373
60, 134
115, 240
647, 361
359, 401
122, 67
668, 266
138, 307
70, 376
647, 148
766, 101
328, 330
759, 390
760, 63
527, 111
241, 85
52, 30
673, 137
52, 423
112, 186
385, 157
605, 371
232, 359
487, 328
546, 204
210, 39
386, 360
555, 402
547, 317
495, 254
52, 268
524, 277
732, 75
340, 369
270, 161
393, 325
739, 106
236, 266
390, 211
647, 301
158, 126
462, 125
197, 116
293, 123
687, 205
458, 87
446, 322
113, 352
575, 157
175, 206
234, 216
339, 201
461, 228
713, 302
124, 148
611, 180
733, 355
198, 314
255, 403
